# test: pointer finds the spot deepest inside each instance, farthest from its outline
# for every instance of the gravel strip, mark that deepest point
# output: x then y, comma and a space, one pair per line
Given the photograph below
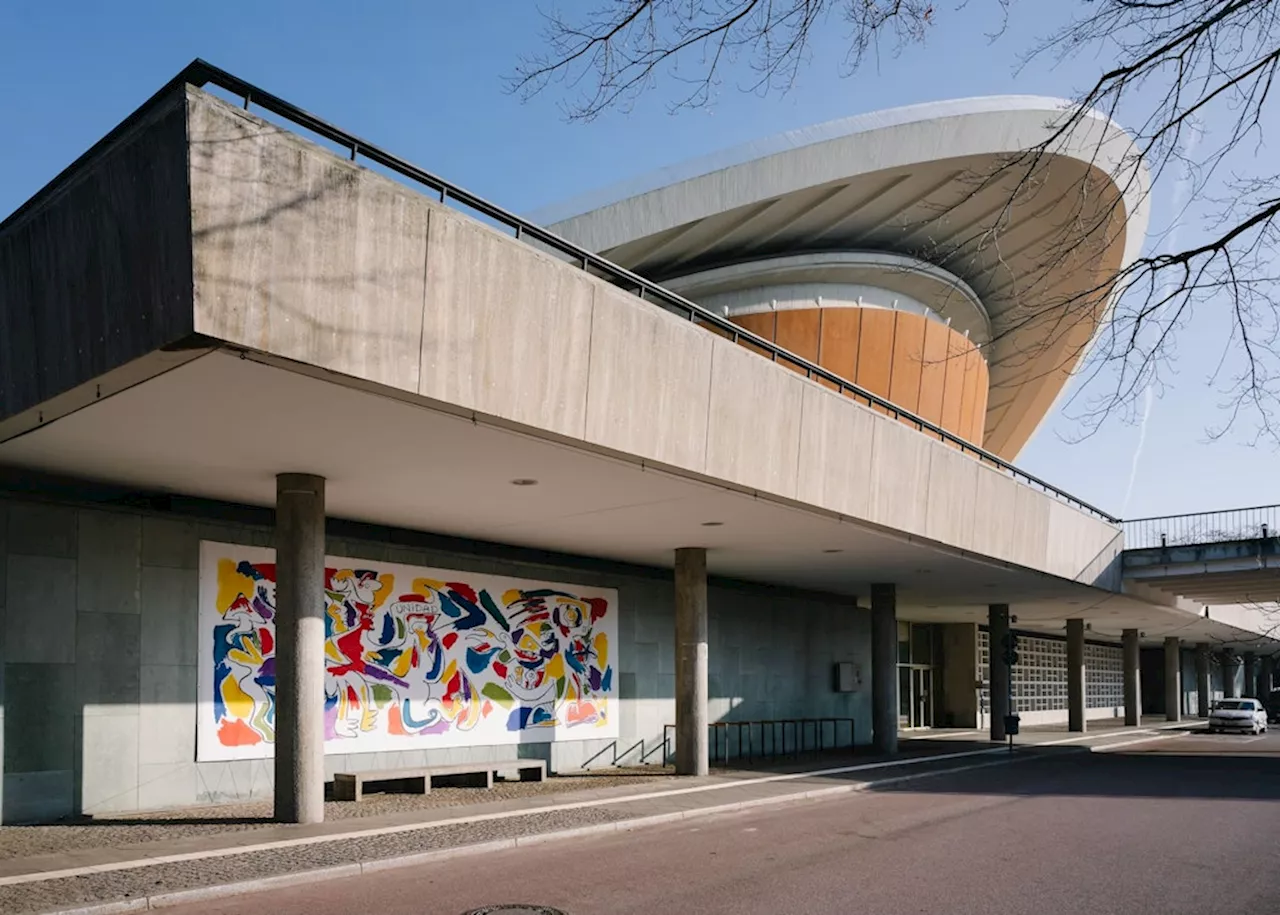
114, 831
164, 878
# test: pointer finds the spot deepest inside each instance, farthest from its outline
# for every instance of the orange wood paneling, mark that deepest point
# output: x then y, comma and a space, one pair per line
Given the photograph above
839, 341
875, 350
908, 350
798, 332
916, 363
761, 324
968, 396
953, 388
933, 375
978, 429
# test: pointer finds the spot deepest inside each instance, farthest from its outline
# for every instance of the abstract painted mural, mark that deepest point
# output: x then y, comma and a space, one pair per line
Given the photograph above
415, 658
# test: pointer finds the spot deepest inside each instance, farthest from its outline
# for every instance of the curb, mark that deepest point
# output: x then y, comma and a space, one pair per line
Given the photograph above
341, 871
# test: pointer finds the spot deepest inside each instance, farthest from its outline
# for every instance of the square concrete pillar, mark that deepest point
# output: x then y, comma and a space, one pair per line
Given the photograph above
1266, 677
998, 672
1077, 701
884, 668
1202, 680
692, 744
1229, 690
299, 749
1132, 678
1173, 679
1250, 675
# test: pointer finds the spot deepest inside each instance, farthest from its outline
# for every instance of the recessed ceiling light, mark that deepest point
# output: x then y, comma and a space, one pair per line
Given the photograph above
833, 551
713, 524
524, 481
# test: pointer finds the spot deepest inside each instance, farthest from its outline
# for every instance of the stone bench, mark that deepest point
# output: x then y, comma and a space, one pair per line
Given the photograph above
349, 786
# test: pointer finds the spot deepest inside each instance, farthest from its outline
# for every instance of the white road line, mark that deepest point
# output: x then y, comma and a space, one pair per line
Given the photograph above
1107, 748
455, 821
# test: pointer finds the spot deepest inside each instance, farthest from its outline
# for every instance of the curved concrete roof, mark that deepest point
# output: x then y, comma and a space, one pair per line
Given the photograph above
1036, 239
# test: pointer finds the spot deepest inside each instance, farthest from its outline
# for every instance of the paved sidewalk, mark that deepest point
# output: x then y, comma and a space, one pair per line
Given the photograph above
167, 869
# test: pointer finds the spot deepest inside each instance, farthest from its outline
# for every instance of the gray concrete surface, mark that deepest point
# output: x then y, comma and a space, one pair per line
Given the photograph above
300, 642
884, 668
1173, 678
1013, 839
1076, 676
692, 744
998, 671
1132, 676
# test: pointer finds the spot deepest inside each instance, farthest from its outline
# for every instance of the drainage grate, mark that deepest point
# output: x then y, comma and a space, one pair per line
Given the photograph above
514, 909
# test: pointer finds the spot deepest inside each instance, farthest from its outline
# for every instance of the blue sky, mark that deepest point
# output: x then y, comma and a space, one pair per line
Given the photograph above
424, 79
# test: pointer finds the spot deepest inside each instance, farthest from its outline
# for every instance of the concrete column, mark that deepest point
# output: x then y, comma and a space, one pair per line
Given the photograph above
1266, 677
884, 668
1076, 677
299, 762
1202, 680
1250, 675
1132, 678
998, 671
1228, 675
1173, 679
692, 745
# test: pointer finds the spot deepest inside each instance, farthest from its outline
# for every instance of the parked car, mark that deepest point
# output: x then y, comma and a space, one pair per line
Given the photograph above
1238, 715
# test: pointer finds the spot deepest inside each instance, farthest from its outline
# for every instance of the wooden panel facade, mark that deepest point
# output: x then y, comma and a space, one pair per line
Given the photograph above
919, 364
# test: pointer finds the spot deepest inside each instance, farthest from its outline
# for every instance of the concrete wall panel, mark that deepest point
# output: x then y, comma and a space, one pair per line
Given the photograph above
97, 272
836, 445
109, 569
40, 609
506, 329
994, 518
109, 763
740, 447
650, 381
900, 467
41, 529
301, 254
953, 497
1082, 547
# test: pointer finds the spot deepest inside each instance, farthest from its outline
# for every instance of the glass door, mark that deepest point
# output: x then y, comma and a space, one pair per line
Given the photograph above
922, 697
905, 704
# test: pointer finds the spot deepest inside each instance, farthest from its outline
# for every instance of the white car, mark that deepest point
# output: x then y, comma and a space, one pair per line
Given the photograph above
1238, 715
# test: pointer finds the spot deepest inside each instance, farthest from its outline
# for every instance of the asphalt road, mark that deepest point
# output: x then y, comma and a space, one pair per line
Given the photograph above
1177, 825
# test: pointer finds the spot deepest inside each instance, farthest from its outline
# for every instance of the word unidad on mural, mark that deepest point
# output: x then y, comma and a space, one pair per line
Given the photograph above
415, 658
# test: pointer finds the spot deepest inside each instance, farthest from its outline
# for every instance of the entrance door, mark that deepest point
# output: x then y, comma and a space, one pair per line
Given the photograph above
922, 697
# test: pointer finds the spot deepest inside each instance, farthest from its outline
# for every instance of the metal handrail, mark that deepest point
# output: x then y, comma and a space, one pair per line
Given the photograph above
200, 73
1258, 521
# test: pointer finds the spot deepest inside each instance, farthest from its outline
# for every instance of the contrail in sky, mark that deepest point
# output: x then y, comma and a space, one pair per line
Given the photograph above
1180, 191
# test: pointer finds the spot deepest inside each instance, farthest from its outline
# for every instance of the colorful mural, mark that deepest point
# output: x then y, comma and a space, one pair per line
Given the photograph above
414, 658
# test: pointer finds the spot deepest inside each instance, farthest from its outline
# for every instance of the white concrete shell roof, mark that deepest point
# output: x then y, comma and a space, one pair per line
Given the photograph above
1036, 237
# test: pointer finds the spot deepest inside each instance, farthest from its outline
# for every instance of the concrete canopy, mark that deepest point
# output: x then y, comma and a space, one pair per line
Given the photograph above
266, 306
1036, 236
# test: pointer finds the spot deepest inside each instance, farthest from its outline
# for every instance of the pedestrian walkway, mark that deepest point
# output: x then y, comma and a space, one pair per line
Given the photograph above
174, 865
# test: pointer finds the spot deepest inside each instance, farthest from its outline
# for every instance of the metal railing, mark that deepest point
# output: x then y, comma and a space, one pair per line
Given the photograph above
1260, 521
808, 736
199, 74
